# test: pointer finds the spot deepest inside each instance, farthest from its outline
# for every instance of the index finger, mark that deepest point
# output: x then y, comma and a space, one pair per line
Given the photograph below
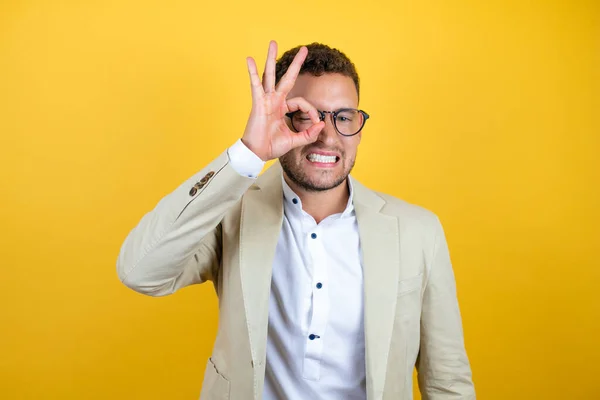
289, 78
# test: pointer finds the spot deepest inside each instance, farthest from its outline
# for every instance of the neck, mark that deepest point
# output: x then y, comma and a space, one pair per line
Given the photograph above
321, 204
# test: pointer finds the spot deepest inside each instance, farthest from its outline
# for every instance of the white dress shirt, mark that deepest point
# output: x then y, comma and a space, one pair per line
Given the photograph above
315, 344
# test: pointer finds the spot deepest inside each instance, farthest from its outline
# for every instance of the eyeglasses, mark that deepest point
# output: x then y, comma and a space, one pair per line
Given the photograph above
347, 121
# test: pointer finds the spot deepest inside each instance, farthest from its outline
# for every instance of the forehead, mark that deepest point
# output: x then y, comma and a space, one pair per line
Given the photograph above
326, 92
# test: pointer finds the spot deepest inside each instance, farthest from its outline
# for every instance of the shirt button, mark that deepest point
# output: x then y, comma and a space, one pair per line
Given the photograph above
319, 285
313, 235
312, 336
295, 201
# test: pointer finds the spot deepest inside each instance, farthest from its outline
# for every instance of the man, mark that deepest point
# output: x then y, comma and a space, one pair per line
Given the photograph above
327, 290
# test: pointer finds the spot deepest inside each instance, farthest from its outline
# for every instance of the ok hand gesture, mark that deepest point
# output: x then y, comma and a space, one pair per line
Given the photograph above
267, 133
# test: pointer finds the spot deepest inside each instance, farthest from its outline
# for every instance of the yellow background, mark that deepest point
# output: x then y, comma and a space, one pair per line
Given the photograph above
486, 112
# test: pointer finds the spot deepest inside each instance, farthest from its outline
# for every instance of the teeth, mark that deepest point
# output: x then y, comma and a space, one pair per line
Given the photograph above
321, 158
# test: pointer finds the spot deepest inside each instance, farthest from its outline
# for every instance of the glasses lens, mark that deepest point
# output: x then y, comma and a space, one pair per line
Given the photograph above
349, 122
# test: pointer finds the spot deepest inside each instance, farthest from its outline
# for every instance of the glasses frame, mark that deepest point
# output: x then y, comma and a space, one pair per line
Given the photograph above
333, 114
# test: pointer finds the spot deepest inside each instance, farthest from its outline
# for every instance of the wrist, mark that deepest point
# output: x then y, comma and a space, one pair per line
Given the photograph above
250, 147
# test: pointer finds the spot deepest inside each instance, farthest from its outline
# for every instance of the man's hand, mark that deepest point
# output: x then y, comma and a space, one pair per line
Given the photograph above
267, 134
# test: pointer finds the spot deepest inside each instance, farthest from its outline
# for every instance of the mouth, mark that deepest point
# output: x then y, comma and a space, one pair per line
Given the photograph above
323, 160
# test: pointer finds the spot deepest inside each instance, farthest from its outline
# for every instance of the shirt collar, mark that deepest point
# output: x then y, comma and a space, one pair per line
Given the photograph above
292, 200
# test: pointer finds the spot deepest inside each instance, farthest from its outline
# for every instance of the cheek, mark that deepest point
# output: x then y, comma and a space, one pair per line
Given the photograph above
351, 148
296, 154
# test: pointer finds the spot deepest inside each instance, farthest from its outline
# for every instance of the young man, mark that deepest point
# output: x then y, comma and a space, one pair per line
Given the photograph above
327, 290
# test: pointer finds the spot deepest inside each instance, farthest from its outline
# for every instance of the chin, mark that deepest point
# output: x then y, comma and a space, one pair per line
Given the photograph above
317, 182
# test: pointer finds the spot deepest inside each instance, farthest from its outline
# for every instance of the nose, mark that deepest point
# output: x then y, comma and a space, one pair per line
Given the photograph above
328, 135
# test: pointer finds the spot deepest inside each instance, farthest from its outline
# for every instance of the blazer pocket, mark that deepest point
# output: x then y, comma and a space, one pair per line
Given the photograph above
410, 285
215, 385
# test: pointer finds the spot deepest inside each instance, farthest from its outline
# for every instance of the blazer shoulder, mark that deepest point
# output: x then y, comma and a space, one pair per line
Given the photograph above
411, 214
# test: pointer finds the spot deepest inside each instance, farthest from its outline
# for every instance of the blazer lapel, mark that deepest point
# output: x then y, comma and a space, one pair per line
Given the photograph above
261, 219
381, 258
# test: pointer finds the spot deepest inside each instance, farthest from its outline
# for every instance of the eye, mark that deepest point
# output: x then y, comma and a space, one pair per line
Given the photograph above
344, 117
302, 117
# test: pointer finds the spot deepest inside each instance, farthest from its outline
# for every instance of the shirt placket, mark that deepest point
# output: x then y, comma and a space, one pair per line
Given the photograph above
320, 304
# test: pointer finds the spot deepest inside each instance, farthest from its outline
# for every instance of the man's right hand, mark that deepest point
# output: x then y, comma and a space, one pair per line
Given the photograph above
267, 134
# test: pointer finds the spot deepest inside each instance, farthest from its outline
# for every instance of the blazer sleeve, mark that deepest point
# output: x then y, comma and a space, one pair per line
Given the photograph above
178, 243
443, 368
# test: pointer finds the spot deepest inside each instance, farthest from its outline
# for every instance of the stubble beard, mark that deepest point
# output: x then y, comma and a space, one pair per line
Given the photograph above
297, 175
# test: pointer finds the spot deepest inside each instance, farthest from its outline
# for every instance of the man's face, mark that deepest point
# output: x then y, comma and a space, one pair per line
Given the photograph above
302, 165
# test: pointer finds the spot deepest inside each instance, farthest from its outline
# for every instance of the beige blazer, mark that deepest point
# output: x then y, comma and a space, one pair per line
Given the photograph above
223, 227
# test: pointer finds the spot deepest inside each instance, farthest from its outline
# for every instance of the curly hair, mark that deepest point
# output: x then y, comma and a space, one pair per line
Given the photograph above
321, 59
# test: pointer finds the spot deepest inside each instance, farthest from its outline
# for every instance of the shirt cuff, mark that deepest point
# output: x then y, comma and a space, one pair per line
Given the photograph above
244, 161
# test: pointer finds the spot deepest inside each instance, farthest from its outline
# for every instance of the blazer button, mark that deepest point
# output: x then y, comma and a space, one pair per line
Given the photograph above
210, 174
204, 180
193, 191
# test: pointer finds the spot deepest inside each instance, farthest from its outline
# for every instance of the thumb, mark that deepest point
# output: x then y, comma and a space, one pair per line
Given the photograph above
307, 136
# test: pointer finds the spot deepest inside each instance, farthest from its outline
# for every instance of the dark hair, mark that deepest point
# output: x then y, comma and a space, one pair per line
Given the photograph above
321, 59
